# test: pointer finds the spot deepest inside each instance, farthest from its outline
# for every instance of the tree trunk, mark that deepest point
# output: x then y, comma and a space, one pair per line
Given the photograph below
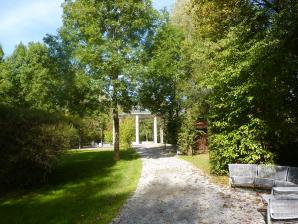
117, 134
164, 134
79, 139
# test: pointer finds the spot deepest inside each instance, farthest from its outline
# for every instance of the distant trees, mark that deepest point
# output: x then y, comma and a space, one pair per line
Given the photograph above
160, 84
28, 77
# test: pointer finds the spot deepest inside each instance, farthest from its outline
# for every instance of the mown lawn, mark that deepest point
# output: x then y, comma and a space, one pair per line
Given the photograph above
201, 161
88, 187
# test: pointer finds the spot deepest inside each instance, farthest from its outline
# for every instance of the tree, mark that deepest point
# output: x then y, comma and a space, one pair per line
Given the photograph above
29, 78
146, 129
244, 57
160, 85
10, 86
109, 37
1, 54
77, 93
181, 17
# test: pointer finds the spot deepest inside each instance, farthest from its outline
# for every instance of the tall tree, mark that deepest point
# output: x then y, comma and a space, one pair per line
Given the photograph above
10, 86
160, 85
76, 93
109, 37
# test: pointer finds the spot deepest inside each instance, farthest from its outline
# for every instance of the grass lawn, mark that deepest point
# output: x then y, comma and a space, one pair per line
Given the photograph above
201, 161
88, 187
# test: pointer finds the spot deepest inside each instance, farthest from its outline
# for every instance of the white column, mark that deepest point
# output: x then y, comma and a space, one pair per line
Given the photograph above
113, 132
161, 135
137, 130
155, 130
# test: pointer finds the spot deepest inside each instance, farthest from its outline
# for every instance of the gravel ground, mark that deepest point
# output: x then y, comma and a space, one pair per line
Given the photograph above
172, 191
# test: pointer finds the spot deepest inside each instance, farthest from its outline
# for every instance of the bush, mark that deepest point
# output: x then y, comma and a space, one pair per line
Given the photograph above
127, 128
30, 142
187, 135
108, 136
89, 129
245, 145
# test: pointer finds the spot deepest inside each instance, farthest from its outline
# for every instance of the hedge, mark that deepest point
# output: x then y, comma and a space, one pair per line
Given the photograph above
30, 143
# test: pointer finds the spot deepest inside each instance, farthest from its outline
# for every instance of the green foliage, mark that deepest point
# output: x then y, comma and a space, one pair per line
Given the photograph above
188, 134
146, 129
127, 131
31, 141
75, 93
108, 136
161, 83
244, 70
244, 145
28, 78
109, 38
91, 128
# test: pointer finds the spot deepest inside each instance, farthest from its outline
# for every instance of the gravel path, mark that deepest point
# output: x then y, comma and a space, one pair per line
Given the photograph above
172, 191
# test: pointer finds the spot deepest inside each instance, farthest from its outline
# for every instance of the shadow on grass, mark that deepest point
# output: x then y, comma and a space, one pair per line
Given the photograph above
87, 187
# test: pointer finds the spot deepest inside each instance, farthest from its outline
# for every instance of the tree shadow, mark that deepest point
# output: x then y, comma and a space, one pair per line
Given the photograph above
165, 202
81, 190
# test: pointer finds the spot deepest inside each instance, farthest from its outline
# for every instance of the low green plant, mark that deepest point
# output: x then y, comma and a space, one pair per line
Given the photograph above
126, 132
108, 136
187, 135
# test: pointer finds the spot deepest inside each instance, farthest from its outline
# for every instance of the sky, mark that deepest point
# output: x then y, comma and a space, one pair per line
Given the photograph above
30, 20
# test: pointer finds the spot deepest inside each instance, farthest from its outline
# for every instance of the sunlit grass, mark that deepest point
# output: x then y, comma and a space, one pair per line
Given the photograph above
201, 161
88, 187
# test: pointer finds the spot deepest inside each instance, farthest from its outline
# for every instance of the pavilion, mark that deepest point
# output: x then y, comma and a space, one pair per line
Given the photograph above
139, 114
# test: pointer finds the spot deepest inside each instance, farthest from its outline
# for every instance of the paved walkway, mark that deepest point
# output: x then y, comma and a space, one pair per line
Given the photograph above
171, 191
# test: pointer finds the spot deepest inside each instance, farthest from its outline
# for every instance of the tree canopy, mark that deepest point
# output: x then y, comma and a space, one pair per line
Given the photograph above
108, 39
245, 60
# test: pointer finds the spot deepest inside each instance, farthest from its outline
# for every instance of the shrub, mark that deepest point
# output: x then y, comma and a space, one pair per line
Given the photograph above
245, 145
126, 132
30, 142
108, 136
89, 129
187, 135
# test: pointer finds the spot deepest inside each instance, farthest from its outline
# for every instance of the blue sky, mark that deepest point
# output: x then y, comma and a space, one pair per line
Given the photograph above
29, 20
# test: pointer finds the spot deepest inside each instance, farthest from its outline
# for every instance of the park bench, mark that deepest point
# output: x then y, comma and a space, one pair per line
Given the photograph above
262, 176
282, 205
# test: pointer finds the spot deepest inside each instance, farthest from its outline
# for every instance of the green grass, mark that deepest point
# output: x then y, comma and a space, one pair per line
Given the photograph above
201, 161
88, 187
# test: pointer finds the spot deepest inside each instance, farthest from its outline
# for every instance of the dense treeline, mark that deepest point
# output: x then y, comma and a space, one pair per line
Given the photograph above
244, 57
